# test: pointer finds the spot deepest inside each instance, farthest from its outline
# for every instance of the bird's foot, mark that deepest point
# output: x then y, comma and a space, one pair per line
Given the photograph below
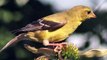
58, 46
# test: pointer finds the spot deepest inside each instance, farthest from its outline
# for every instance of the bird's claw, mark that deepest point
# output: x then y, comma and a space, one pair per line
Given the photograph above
59, 47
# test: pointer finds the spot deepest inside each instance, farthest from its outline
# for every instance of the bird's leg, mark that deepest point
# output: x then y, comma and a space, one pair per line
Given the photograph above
58, 46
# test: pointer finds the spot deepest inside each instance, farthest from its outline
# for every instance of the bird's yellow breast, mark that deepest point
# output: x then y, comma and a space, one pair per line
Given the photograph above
63, 32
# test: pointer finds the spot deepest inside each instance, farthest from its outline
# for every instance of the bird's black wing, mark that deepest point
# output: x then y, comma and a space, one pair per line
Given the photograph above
42, 25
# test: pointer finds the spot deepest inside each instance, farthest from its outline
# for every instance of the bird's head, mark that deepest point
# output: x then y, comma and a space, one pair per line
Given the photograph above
83, 12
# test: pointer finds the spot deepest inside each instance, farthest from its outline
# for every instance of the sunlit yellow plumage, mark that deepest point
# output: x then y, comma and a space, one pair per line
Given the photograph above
57, 27
73, 19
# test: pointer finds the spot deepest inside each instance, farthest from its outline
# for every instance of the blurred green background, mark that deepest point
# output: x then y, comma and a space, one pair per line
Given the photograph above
15, 14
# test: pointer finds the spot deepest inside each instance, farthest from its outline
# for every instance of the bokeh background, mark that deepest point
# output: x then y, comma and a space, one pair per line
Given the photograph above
15, 14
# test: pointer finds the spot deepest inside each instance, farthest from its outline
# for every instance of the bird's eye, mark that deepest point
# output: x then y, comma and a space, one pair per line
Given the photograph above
88, 12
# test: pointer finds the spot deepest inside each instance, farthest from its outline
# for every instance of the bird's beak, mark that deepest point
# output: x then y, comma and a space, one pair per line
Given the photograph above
92, 15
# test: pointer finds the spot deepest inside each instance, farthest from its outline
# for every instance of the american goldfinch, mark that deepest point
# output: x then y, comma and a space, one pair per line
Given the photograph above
55, 27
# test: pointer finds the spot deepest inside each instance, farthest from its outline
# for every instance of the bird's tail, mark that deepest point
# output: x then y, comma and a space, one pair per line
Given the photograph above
16, 31
13, 41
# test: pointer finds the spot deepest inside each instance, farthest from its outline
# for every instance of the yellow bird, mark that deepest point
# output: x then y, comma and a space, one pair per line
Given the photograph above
55, 27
